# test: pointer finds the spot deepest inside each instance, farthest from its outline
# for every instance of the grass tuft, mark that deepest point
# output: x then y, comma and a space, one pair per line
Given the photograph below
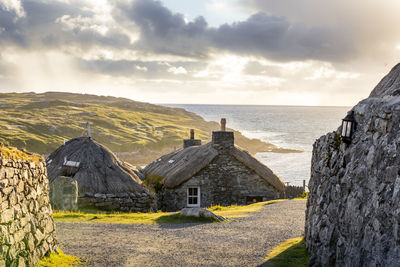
291, 253
60, 259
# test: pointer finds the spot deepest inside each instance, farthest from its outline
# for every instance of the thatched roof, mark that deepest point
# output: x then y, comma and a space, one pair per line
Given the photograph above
97, 169
179, 166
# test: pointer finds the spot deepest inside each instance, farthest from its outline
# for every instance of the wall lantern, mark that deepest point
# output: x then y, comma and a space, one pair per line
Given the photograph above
348, 127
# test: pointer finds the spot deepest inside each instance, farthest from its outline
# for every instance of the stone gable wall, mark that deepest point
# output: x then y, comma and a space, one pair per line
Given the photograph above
27, 229
353, 208
225, 181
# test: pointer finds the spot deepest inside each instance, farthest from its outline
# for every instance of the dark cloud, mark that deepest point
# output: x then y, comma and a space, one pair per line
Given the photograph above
43, 27
162, 31
268, 36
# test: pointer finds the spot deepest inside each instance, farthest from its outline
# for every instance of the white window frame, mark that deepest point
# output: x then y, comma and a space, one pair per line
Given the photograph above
198, 197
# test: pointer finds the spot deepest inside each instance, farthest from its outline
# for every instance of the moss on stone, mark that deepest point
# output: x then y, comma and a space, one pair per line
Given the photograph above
14, 153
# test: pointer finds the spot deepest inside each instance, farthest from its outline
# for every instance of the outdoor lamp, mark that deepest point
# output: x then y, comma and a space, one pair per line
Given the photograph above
348, 127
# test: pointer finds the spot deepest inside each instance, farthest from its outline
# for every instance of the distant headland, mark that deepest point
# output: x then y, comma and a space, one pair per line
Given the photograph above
139, 132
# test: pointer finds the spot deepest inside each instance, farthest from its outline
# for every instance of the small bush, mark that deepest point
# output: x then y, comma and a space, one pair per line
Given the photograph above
304, 195
154, 182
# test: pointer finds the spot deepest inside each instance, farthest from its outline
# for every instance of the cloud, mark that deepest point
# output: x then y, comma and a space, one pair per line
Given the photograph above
263, 35
366, 27
57, 25
257, 68
13, 6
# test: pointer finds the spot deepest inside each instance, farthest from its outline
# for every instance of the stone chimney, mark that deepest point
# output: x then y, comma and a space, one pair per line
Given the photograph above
223, 139
191, 141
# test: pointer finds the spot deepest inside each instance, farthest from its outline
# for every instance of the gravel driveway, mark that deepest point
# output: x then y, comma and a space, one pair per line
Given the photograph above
243, 242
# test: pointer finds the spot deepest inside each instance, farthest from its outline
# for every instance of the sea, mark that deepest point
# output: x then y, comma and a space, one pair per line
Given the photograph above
292, 127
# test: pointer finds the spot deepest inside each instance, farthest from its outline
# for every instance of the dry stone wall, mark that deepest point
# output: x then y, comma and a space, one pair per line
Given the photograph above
134, 201
353, 209
27, 229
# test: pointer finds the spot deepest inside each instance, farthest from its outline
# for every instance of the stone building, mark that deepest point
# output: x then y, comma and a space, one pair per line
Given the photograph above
215, 173
103, 181
353, 207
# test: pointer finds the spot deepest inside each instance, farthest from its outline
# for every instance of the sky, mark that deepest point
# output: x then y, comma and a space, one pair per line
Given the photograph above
253, 52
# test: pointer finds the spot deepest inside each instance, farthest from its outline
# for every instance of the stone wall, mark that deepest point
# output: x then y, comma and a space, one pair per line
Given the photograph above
27, 230
292, 191
353, 209
140, 202
234, 183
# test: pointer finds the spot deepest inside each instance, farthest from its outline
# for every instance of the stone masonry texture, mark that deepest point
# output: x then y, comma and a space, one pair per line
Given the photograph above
353, 208
27, 229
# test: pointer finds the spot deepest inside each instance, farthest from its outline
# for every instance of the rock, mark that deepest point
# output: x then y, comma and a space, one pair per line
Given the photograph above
64, 193
353, 206
200, 212
7, 216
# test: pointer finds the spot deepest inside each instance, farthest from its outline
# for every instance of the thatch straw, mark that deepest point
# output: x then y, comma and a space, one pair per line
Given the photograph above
99, 171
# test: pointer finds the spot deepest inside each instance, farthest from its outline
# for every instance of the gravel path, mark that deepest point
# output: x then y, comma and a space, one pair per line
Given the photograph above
243, 242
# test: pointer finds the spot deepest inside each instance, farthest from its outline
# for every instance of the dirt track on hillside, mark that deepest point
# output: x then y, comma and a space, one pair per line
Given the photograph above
243, 242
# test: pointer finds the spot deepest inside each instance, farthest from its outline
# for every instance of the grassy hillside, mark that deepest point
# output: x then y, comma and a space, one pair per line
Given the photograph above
40, 123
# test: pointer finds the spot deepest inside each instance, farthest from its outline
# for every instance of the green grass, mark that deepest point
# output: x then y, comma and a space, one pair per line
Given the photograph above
126, 218
62, 260
236, 211
96, 216
291, 253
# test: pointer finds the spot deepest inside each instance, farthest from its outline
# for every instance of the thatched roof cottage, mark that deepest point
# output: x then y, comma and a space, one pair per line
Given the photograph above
215, 173
103, 180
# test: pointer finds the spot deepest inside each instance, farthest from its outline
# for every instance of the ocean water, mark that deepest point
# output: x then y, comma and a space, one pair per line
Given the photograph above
294, 127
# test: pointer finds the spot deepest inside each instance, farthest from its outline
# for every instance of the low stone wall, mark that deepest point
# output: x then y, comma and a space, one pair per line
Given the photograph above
292, 191
27, 229
136, 202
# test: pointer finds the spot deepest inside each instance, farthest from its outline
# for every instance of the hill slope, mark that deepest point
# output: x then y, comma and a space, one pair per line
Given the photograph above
40, 123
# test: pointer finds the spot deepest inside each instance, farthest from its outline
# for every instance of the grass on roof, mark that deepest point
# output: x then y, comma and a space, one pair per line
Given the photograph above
96, 216
291, 253
14, 153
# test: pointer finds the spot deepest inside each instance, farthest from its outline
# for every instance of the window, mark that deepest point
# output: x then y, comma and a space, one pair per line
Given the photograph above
193, 197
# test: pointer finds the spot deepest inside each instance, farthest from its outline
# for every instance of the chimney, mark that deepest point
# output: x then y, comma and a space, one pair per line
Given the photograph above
223, 139
191, 142
223, 124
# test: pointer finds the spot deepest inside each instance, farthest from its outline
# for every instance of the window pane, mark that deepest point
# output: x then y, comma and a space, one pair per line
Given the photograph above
348, 129
190, 191
194, 191
194, 200
344, 128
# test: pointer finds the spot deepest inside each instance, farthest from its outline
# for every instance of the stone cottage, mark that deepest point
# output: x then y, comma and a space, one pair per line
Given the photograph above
215, 173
